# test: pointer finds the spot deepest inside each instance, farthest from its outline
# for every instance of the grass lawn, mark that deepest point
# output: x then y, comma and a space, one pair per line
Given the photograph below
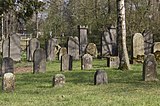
124, 88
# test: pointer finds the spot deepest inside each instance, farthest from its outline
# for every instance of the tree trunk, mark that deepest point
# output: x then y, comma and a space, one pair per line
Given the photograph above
121, 31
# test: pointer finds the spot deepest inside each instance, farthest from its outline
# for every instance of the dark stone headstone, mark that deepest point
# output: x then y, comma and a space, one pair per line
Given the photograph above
73, 47
7, 65
150, 68
50, 50
83, 39
58, 80
39, 61
100, 77
66, 62
86, 62
8, 82
92, 49
113, 61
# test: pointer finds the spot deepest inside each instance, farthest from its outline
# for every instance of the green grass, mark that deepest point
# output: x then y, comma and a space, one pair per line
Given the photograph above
124, 88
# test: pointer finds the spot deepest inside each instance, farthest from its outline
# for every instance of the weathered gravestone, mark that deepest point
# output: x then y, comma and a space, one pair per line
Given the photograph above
15, 47
83, 39
150, 68
7, 65
58, 80
39, 61
50, 50
156, 51
100, 77
138, 48
113, 61
66, 62
33, 45
5, 48
73, 47
92, 49
62, 52
109, 42
86, 62
8, 82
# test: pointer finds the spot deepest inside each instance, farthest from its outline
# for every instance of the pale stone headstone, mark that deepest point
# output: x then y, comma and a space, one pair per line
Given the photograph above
113, 61
150, 68
33, 45
66, 62
7, 65
73, 47
100, 77
138, 48
109, 42
62, 52
8, 82
156, 51
50, 50
86, 62
83, 39
39, 61
5, 48
92, 49
58, 80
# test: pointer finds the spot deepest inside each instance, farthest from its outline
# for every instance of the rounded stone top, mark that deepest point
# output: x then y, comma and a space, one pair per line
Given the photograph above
8, 75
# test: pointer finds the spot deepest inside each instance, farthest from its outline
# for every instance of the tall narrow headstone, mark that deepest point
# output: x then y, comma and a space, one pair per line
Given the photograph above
39, 61
5, 48
109, 42
150, 68
92, 49
62, 52
33, 45
86, 62
138, 48
83, 39
73, 47
50, 50
66, 62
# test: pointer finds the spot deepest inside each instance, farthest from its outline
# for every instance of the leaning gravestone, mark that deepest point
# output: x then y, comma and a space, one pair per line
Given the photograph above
92, 49
109, 42
8, 82
66, 62
113, 61
58, 80
150, 68
7, 65
33, 45
83, 39
73, 47
138, 48
39, 61
50, 50
86, 62
15, 48
100, 77
5, 48
62, 52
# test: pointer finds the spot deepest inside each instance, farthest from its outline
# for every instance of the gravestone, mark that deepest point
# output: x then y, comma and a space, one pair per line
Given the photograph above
100, 77
92, 49
50, 50
150, 68
15, 47
39, 61
113, 61
8, 82
83, 39
5, 48
7, 65
33, 45
66, 62
73, 47
86, 62
156, 51
62, 52
58, 80
138, 48
109, 42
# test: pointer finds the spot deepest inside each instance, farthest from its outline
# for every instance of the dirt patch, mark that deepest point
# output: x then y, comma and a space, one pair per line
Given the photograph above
23, 69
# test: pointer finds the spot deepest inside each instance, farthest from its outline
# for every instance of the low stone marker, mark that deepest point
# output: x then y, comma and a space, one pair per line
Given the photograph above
39, 61
100, 77
66, 62
58, 80
92, 50
8, 82
86, 62
62, 52
113, 61
150, 68
7, 65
